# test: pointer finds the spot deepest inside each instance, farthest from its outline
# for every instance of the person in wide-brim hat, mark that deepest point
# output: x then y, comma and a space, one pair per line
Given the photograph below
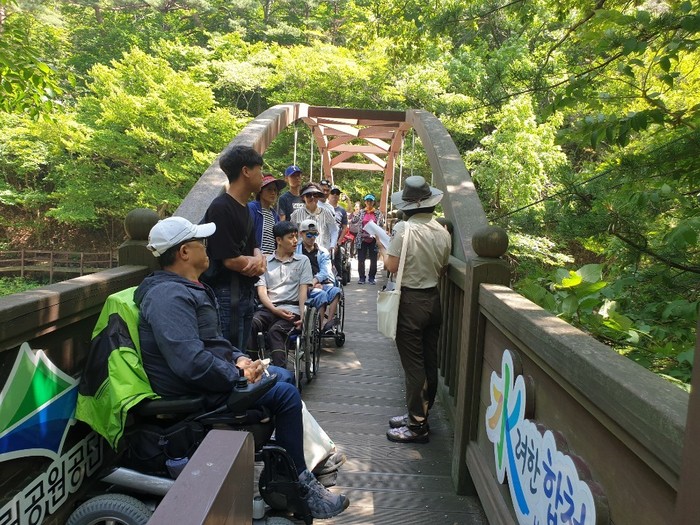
416, 193
427, 251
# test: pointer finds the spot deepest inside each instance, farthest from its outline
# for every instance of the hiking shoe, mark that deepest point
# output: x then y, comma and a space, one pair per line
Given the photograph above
407, 435
402, 421
330, 464
361, 280
322, 502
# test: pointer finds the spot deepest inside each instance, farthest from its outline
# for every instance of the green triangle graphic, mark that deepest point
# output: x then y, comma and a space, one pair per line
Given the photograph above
31, 387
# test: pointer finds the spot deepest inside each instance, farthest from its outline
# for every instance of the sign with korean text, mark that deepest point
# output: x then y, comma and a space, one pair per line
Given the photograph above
37, 408
544, 483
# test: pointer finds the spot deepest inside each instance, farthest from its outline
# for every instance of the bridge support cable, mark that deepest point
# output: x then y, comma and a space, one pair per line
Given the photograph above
296, 139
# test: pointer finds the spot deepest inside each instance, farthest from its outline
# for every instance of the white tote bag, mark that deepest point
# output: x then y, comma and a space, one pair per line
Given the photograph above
317, 445
388, 299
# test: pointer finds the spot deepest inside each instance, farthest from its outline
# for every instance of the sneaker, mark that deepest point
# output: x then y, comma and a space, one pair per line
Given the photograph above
322, 503
328, 480
361, 280
330, 464
329, 327
402, 421
407, 435
372, 281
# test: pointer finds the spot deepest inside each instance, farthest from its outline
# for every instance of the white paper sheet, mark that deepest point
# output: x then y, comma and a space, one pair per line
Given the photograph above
375, 231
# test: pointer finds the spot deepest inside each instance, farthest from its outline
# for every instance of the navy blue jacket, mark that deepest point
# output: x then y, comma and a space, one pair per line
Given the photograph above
183, 350
255, 212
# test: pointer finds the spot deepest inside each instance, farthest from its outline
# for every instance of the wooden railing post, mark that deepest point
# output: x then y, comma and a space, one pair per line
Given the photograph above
21, 264
489, 243
689, 483
51, 267
138, 224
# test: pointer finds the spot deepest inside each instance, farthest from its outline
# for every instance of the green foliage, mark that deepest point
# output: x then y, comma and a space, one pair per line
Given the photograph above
10, 285
518, 161
658, 334
27, 82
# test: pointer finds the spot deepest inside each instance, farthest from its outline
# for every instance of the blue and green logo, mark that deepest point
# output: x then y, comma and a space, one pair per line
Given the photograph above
37, 405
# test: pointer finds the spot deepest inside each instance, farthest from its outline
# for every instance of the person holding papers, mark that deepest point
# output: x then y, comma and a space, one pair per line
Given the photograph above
367, 243
419, 316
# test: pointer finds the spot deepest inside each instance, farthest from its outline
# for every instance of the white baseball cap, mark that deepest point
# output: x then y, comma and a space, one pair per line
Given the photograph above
175, 230
309, 225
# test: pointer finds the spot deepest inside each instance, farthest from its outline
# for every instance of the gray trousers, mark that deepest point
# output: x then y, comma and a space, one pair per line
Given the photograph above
417, 332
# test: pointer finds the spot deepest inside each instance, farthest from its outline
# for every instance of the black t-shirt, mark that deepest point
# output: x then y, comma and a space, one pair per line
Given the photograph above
289, 202
313, 259
234, 235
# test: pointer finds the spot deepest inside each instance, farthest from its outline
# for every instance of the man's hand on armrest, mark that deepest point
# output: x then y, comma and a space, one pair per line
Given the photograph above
252, 370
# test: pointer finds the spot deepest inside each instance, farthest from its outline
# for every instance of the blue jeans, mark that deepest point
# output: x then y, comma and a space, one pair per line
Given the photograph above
318, 298
284, 401
245, 302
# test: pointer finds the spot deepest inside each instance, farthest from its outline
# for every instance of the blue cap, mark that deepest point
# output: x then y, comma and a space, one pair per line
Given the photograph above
369, 197
291, 170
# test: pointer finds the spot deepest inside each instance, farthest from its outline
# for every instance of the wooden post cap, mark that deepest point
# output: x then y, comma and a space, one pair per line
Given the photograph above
138, 223
490, 241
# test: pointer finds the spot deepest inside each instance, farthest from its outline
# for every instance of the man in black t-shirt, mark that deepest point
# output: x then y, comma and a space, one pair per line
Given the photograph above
236, 260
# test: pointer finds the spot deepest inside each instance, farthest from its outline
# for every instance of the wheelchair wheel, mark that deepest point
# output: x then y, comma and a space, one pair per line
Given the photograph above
312, 333
339, 333
297, 358
112, 509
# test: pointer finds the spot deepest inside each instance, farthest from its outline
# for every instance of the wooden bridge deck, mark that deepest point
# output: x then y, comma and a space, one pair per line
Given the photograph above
359, 386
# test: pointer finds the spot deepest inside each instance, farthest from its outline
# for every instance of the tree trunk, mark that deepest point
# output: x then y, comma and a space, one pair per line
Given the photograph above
98, 13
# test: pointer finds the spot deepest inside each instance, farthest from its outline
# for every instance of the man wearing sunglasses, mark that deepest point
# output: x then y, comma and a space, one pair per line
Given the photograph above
323, 291
320, 215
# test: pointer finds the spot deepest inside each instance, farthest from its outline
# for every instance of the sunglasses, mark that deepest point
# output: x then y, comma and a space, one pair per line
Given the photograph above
314, 195
310, 235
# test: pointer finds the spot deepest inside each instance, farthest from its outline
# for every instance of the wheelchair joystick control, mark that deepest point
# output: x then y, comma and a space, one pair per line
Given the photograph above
241, 383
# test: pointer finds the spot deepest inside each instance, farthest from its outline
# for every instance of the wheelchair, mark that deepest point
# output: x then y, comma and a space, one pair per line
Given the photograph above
346, 247
303, 348
336, 333
158, 435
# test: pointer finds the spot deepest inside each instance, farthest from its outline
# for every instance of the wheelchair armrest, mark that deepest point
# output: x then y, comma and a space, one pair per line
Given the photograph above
170, 405
245, 394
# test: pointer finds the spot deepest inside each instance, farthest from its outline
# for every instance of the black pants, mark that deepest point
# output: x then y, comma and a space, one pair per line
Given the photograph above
417, 332
368, 250
276, 330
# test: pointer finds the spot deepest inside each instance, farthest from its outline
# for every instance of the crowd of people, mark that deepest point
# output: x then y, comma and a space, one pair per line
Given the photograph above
254, 266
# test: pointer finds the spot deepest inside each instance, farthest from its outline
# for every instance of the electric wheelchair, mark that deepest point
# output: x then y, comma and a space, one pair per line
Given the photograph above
154, 437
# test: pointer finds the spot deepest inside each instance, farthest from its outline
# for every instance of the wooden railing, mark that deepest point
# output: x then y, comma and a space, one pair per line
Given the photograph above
24, 262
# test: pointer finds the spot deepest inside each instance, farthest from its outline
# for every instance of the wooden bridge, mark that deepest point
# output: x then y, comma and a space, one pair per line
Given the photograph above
538, 421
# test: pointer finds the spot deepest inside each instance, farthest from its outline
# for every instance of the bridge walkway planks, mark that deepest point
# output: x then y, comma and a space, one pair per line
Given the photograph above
359, 386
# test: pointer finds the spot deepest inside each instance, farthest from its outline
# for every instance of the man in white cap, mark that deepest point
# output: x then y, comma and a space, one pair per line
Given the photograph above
185, 353
420, 316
